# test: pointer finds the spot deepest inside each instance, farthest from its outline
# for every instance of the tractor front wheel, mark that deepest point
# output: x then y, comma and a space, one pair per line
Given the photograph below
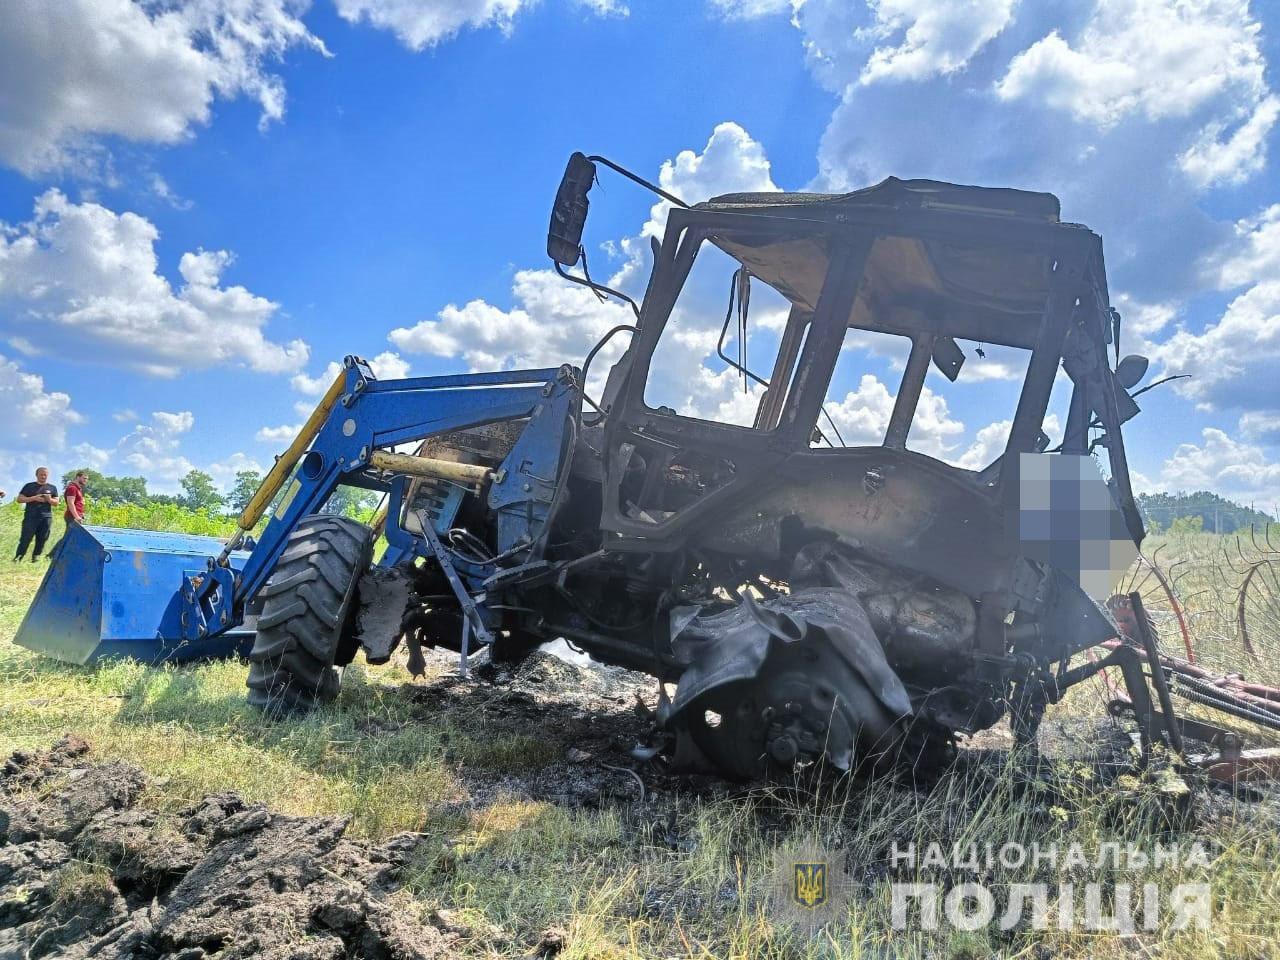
308, 606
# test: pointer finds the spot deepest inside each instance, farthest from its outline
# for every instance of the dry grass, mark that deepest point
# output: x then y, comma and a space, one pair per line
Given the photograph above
684, 877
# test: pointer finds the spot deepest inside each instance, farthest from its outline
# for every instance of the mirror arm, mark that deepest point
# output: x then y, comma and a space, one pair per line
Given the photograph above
1150, 386
1115, 330
640, 180
724, 332
599, 288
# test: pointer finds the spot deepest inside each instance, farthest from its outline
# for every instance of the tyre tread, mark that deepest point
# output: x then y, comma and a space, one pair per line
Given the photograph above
306, 603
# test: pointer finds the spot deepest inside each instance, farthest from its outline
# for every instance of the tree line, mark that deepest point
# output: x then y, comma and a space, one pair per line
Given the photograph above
1200, 510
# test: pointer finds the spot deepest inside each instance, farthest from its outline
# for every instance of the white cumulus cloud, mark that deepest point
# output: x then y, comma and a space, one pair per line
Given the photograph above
87, 455
33, 416
1256, 424
751, 9
863, 417
1128, 110
224, 471
33, 431
1253, 254
1233, 468
1161, 59
85, 280
731, 161
423, 23
989, 442
153, 450
74, 71
280, 435
554, 323
1222, 156
890, 41
1232, 358
1155, 57
917, 39
385, 366
420, 24
174, 423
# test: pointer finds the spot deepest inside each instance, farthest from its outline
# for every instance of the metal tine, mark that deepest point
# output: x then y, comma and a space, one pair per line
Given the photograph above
1227, 559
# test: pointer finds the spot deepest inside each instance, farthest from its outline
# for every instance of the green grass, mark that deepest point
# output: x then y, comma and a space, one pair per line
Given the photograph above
682, 876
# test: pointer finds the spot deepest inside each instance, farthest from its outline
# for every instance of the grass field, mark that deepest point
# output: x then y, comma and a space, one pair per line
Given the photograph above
684, 874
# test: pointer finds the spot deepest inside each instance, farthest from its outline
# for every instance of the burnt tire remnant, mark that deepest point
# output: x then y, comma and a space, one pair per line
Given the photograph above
87, 871
307, 609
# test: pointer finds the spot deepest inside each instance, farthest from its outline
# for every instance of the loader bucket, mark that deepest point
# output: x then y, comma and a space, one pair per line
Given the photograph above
118, 593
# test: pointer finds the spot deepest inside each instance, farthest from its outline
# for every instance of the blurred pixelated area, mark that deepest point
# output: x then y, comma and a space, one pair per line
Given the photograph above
1068, 518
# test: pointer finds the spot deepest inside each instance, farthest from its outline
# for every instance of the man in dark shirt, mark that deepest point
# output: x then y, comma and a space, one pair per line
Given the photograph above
39, 497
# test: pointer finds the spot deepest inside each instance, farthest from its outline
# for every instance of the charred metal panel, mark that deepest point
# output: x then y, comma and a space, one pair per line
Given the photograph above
900, 508
920, 623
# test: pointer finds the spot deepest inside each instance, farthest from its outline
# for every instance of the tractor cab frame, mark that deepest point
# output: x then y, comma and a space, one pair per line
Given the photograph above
931, 262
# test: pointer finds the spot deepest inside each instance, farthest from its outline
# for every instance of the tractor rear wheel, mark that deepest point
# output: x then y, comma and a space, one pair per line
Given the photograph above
308, 606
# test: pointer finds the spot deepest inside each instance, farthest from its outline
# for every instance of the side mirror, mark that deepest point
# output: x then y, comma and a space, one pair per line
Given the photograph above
569, 215
1131, 370
948, 357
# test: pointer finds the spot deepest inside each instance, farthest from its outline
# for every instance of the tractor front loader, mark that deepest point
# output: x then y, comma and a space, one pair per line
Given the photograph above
810, 600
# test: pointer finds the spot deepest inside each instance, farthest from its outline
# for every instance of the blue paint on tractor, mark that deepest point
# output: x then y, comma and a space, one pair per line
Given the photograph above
110, 593
170, 597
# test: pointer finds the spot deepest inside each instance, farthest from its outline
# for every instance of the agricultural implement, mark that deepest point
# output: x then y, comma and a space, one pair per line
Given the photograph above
1226, 693
809, 600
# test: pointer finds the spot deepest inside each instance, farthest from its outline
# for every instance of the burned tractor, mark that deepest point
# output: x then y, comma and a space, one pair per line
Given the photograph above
807, 600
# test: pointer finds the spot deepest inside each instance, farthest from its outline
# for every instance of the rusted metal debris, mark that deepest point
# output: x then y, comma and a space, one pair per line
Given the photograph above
1227, 693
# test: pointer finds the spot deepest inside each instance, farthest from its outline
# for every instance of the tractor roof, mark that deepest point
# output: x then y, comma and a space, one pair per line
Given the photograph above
977, 273
902, 194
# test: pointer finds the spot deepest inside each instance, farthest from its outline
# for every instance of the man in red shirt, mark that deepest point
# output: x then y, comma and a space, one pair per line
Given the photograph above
73, 495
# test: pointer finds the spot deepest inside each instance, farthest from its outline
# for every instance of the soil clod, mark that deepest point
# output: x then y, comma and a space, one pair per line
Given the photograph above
86, 870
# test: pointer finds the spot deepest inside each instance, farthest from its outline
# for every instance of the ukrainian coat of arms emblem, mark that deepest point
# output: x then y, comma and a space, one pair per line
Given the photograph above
810, 885
810, 888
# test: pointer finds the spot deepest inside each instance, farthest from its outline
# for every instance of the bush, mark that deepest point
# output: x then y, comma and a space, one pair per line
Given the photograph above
166, 517
1183, 526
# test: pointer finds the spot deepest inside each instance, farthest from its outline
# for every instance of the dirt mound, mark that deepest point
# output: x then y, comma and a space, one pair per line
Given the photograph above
86, 872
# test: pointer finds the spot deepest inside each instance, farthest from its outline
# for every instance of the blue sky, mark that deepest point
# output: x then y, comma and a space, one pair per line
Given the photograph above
205, 202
